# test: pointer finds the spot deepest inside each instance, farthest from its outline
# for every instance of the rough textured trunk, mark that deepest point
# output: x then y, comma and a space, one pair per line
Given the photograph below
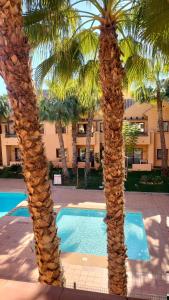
111, 74
62, 150
88, 144
74, 148
15, 70
164, 164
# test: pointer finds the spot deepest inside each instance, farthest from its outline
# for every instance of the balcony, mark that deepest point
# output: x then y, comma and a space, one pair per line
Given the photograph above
143, 139
142, 167
9, 138
81, 141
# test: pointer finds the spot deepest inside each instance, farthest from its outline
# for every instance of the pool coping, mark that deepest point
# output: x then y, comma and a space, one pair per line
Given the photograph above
74, 257
57, 208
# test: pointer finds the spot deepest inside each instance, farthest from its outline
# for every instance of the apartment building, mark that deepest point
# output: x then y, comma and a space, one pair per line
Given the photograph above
10, 150
146, 155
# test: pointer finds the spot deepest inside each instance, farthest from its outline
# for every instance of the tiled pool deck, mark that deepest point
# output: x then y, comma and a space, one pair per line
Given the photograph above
89, 272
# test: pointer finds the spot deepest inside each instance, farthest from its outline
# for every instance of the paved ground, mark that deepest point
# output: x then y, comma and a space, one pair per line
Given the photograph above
17, 290
17, 255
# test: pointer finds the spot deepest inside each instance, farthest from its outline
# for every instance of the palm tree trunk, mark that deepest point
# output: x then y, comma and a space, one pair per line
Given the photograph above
62, 150
164, 165
15, 70
74, 148
111, 75
88, 144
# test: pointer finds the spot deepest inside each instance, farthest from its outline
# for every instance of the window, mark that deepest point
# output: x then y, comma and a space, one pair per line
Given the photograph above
17, 154
58, 154
159, 153
141, 126
82, 128
166, 126
82, 155
136, 156
101, 127
10, 128
63, 129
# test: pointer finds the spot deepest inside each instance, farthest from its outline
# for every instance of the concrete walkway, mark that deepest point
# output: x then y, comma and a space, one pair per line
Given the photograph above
17, 260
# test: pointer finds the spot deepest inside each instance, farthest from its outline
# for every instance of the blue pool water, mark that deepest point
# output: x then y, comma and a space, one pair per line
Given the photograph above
21, 212
83, 231
9, 200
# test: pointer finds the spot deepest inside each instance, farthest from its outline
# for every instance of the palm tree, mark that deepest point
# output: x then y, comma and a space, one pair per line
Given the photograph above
16, 72
110, 16
142, 71
55, 110
4, 113
67, 91
76, 110
89, 96
90, 118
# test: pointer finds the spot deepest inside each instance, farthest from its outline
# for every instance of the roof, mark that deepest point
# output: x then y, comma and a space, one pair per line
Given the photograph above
137, 111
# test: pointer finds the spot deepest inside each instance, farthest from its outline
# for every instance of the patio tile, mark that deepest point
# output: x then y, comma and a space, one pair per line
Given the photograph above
17, 259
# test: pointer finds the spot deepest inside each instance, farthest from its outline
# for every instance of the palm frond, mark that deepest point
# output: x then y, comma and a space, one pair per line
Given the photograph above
88, 41
153, 23
4, 107
137, 68
44, 68
48, 20
64, 61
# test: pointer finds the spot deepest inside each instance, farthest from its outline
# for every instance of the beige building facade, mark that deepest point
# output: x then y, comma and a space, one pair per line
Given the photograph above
10, 151
146, 155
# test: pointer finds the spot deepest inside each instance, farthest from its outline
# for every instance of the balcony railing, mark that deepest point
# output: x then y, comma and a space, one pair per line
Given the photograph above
10, 134
83, 134
144, 133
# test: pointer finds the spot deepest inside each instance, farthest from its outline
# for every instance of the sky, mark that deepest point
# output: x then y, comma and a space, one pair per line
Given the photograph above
36, 61
2, 87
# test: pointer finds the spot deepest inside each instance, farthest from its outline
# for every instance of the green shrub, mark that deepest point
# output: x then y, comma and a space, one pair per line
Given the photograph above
14, 171
17, 168
151, 179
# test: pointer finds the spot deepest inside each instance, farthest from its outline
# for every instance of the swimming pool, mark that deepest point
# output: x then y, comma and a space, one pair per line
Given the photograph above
83, 231
9, 200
